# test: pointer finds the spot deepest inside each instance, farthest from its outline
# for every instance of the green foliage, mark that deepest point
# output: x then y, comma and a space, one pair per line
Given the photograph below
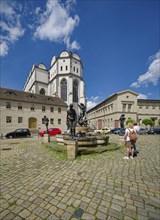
147, 121
129, 120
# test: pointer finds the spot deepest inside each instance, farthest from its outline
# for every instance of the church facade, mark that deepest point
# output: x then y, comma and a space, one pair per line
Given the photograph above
64, 79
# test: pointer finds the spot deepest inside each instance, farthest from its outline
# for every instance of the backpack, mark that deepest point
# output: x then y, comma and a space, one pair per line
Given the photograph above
132, 135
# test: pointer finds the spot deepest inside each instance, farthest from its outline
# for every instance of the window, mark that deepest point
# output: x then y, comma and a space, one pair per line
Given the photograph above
59, 121
51, 121
74, 68
129, 107
66, 67
77, 70
123, 107
75, 91
59, 110
32, 107
20, 106
43, 108
20, 119
140, 107
8, 105
42, 91
61, 68
64, 89
8, 119
51, 109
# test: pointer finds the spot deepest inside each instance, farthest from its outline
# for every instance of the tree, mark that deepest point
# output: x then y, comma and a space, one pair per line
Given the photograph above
147, 121
129, 120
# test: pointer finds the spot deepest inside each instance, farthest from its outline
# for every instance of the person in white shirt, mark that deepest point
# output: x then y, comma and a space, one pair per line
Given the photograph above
136, 129
128, 143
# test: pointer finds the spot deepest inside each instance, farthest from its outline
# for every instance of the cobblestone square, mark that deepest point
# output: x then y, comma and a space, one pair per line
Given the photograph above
38, 184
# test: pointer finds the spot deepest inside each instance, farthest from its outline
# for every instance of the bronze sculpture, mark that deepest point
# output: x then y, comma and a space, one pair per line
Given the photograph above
122, 119
82, 120
71, 120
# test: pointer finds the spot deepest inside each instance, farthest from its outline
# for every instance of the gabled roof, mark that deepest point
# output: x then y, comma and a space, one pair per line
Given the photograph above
127, 90
112, 96
15, 95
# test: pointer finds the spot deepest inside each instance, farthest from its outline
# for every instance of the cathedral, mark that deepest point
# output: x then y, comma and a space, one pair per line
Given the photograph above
63, 79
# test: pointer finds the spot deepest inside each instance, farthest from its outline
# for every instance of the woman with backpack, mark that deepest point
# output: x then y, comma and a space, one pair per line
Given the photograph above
130, 137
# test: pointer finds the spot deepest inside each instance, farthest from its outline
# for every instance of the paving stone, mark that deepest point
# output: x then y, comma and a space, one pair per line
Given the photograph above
115, 214
31, 217
24, 213
10, 216
101, 215
44, 214
87, 216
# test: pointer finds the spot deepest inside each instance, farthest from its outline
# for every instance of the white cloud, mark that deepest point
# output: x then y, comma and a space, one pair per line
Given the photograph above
93, 101
152, 75
56, 24
142, 96
11, 29
3, 48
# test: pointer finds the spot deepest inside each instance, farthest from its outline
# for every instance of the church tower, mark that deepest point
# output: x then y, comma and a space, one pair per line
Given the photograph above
64, 79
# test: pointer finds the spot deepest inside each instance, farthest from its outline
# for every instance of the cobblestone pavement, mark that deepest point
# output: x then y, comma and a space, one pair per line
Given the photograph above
38, 184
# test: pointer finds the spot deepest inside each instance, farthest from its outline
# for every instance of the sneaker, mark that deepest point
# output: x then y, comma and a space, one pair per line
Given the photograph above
131, 157
127, 158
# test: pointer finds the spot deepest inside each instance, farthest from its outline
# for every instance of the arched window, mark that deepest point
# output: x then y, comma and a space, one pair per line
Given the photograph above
64, 89
42, 91
75, 91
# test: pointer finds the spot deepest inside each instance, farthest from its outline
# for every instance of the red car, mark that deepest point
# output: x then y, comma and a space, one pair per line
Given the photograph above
52, 132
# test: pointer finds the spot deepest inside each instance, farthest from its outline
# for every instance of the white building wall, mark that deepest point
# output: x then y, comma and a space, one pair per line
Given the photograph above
26, 113
41, 76
62, 64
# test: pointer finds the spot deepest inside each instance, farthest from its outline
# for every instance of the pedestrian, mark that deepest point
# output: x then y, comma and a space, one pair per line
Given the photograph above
136, 129
129, 143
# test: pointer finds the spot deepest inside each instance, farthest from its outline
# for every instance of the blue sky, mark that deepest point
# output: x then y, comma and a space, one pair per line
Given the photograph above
118, 41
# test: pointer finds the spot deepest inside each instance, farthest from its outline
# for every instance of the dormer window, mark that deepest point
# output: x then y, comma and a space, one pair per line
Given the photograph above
10, 92
8, 105
31, 96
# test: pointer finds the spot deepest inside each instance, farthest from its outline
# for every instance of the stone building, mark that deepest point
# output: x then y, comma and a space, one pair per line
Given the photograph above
64, 79
20, 109
108, 112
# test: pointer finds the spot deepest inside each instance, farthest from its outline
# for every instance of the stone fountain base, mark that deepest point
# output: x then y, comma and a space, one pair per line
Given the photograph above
89, 141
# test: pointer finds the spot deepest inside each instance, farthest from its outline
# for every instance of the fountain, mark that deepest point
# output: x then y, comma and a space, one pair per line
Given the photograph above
79, 139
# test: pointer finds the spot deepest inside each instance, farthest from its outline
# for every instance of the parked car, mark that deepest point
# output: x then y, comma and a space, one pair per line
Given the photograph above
19, 133
122, 131
154, 131
115, 131
142, 131
102, 131
52, 132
